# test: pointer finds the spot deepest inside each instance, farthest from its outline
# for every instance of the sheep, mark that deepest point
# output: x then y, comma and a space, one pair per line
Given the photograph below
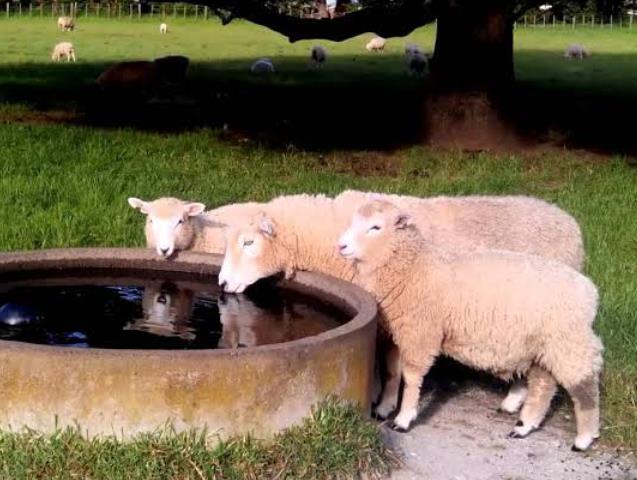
318, 56
63, 49
262, 66
66, 24
145, 74
246, 324
283, 236
173, 224
418, 64
163, 28
376, 44
413, 49
576, 50
167, 309
504, 312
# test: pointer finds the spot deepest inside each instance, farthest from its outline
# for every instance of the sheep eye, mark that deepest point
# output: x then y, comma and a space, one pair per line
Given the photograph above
374, 228
180, 222
247, 243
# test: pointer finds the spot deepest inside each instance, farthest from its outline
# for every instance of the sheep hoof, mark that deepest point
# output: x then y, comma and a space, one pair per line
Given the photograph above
514, 434
576, 449
397, 428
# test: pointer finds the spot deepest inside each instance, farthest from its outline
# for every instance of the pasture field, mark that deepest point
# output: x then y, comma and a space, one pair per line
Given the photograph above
64, 179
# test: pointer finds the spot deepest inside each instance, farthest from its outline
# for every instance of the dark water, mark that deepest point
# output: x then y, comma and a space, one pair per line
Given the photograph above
134, 310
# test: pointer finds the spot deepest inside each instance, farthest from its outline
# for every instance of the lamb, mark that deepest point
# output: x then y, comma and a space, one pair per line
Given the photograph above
418, 64
376, 44
173, 224
246, 324
318, 56
576, 50
63, 49
66, 24
503, 312
262, 66
163, 28
282, 236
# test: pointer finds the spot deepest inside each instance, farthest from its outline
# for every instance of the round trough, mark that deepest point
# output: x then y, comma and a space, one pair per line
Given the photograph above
257, 390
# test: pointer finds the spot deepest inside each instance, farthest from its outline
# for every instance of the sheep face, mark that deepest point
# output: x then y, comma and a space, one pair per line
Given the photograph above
251, 254
372, 232
168, 223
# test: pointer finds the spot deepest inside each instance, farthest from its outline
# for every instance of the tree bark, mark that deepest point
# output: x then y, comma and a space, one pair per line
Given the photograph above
474, 46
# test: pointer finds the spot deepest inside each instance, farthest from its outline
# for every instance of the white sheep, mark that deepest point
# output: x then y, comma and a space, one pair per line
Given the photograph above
576, 50
163, 28
285, 236
376, 44
262, 66
66, 24
63, 49
318, 55
507, 313
173, 224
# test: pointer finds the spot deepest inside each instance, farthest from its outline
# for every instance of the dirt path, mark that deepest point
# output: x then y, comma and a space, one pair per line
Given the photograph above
461, 436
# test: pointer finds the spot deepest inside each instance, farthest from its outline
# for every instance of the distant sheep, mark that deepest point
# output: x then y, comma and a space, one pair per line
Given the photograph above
318, 56
376, 44
576, 50
145, 74
503, 312
163, 28
262, 66
63, 49
413, 49
418, 64
66, 24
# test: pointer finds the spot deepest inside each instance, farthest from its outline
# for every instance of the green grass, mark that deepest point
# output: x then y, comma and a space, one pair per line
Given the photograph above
65, 186
335, 442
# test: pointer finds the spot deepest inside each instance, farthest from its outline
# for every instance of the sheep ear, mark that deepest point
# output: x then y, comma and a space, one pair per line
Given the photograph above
138, 204
403, 220
194, 209
266, 226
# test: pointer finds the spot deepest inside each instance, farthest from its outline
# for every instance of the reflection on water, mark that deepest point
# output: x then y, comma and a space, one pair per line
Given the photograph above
155, 314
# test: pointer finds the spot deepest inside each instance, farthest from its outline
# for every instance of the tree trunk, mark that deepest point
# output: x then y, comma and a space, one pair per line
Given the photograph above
474, 46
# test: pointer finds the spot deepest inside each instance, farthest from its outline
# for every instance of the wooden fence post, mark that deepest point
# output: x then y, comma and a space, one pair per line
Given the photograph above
205, 14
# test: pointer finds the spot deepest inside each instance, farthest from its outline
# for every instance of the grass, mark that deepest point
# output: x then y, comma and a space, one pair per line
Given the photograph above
66, 185
335, 442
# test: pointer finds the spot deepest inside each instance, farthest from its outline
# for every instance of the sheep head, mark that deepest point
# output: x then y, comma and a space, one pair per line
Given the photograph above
373, 232
251, 254
168, 223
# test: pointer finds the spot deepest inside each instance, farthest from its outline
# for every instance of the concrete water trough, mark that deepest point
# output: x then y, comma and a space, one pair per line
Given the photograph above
232, 391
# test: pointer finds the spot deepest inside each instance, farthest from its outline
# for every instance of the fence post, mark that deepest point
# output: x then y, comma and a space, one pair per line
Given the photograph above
205, 14
593, 20
174, 10
534, 21
544, 20
139, 10
573, 22
611, 21
524, 20
163, 11
86, 9
553, 21
130, 10
185, 8
8, 7
196, 11
630, 22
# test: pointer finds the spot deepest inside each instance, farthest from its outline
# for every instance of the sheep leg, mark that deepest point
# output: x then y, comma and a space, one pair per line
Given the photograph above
389, 399
585, 397
413, 376
515, 397
542, 387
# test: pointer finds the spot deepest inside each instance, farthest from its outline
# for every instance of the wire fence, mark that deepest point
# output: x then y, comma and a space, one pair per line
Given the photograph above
138, 10
112, 10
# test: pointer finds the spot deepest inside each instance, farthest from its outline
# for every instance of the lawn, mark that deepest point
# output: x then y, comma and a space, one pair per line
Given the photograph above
66, 185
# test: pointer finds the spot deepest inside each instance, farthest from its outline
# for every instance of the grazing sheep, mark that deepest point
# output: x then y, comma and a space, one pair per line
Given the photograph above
318, 55
507, 313
418, 64
576, 50
246, 324
262, 66
163, 28
173, 224
376, 44
63, 49
66, 24
167, 310
144, 74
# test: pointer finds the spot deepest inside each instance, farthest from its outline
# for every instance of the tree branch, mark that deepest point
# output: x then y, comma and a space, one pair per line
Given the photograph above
386, 22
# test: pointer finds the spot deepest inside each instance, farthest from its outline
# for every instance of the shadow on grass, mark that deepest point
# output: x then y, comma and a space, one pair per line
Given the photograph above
344, 106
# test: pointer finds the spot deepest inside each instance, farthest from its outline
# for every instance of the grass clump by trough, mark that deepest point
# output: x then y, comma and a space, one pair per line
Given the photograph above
335, 442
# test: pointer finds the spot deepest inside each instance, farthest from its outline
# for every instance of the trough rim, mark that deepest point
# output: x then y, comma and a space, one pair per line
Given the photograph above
348, 296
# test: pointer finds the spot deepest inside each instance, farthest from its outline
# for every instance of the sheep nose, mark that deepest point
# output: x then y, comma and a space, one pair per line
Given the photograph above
161, 299
222, 284
342, 246
164, 251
